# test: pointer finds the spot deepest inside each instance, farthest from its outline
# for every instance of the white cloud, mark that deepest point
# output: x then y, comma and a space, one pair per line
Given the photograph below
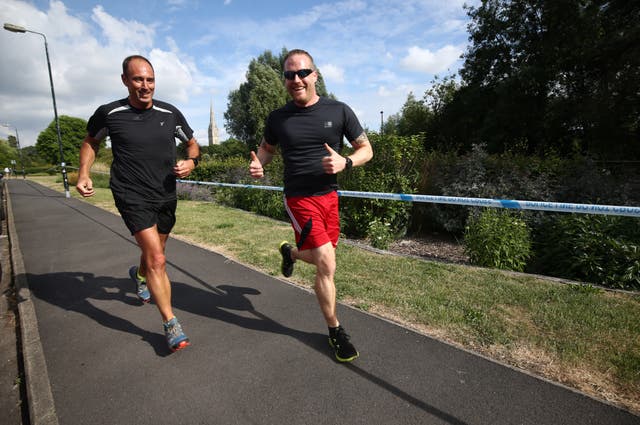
332, 73
85, 64
173, 77
424, 60
120, 32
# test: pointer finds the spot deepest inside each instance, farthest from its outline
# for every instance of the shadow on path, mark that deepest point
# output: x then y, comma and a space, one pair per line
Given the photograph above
73, 292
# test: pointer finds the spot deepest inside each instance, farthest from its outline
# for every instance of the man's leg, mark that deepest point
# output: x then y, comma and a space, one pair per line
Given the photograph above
153, 267
324, 258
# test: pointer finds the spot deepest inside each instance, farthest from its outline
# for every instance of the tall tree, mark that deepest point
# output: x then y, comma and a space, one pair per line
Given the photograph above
262, 92
72, 132
8, 153
13, 141
561, 75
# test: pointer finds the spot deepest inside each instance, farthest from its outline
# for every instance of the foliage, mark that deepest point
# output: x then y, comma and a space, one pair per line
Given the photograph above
13, 141
72, 132
263, 91
235, 170
379, 234
31, 157
395, 168
498, 239
549, 76
593, 248
264, 202
7, 154
193, 192
478, 174
105, 156
411, 120
226, 149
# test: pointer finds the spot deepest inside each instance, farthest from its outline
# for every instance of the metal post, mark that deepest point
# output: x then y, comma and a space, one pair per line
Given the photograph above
17, 28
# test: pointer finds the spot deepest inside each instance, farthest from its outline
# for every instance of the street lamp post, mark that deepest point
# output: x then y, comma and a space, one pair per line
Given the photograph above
17, 28
18, 145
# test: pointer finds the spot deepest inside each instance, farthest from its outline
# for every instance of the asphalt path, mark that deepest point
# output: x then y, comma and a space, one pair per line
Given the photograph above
259, 352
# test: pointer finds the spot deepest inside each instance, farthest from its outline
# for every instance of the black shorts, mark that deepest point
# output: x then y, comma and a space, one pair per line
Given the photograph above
140, 215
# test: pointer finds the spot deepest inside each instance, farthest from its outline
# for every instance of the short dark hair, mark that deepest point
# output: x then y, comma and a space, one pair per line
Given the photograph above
125, 62
298, 52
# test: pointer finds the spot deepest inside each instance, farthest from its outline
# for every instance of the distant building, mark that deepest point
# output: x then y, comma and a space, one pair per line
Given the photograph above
214, 137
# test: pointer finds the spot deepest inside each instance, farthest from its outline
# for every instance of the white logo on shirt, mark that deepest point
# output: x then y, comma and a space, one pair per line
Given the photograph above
328, 124
161, 123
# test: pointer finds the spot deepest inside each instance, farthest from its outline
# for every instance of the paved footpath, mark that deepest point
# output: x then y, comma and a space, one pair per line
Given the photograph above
259, 353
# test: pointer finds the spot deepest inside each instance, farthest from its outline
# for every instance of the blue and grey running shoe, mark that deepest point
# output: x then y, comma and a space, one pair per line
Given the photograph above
176, 339
141, 285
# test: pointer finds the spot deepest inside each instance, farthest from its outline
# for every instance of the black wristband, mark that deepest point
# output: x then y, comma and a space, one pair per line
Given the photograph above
195, 161
349, 163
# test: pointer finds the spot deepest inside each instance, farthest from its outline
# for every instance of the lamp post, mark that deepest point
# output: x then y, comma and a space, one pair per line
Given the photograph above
17, 28
18, 146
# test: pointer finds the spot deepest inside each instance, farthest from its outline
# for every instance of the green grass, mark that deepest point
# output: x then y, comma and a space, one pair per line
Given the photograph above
581, 336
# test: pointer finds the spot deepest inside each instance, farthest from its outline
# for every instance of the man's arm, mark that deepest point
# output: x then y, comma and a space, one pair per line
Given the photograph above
184, 167
88, 152
333, 163
262, 158
362, 150
193, 149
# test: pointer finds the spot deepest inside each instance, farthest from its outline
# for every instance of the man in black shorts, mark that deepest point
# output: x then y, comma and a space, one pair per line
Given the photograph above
143, 178
309, 131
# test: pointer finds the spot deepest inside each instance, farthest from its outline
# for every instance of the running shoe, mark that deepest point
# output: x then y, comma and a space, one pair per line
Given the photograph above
342, 348
141, 285
287, 263
176, 339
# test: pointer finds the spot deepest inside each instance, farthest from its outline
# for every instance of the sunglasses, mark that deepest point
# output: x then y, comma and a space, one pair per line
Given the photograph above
302, 73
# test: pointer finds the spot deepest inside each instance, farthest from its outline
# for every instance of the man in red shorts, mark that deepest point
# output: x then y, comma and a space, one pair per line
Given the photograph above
309, 131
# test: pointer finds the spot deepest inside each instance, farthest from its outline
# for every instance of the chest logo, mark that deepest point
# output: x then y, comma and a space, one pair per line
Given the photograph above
328, 124
161, 123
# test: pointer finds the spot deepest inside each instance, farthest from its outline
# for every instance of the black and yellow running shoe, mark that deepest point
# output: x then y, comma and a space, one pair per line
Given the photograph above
342, 348
287, 262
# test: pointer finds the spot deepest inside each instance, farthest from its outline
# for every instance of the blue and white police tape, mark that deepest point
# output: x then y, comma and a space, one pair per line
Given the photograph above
470, 202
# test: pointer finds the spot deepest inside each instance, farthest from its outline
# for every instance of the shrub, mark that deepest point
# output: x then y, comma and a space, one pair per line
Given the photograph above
593, 248
235, 170
193, 192
478, 175
498, 238
379, 234
264, 202
395, 168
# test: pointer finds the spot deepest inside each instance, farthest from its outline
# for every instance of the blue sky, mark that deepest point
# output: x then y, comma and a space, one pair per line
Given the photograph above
372, 53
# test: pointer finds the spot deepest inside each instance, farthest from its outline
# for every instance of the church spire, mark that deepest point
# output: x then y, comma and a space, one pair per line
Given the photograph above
214, 137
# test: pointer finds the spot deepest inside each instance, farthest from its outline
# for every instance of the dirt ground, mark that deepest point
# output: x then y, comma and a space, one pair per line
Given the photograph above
431, 247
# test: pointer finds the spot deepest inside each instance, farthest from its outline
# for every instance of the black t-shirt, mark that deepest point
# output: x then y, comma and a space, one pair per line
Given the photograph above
301, 134
144, 148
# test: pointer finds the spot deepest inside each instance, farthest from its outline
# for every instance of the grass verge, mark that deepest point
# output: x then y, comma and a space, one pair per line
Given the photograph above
580, 336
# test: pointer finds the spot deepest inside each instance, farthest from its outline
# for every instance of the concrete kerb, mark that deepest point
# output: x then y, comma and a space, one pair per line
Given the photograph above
39, 396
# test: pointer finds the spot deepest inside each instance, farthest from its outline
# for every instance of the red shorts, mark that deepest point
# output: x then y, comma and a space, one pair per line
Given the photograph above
315, 219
